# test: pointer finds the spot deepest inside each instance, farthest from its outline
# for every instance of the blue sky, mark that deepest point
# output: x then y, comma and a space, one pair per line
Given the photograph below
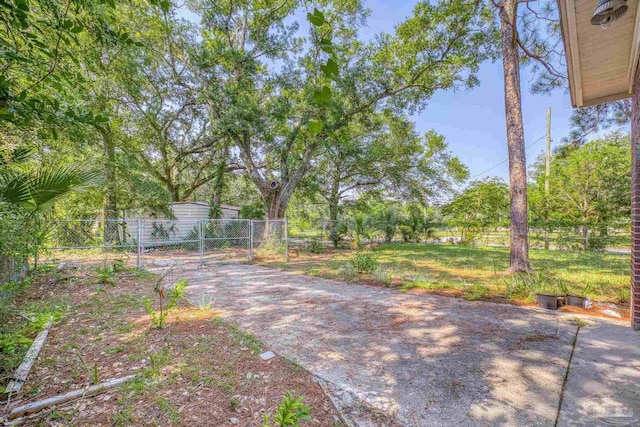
474, 121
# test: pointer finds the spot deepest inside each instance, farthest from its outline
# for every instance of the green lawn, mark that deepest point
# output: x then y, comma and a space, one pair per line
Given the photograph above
478, 272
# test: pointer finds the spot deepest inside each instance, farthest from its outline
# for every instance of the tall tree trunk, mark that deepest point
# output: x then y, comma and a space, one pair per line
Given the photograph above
218, 185
110, 205
519, 245
334, 235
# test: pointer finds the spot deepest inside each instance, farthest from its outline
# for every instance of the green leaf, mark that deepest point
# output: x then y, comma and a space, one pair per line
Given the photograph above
330, 69
315, 127
323, 96
23, 5
67, 24
326, 45
316, 18
77, 29
17, 57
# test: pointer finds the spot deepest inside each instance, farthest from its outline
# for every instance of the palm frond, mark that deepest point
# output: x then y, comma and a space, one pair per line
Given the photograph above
46, 185
14, 187
19, 155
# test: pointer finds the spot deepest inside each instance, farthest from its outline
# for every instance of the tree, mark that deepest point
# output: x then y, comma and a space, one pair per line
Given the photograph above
390, 158
590, 184
264, 81
481, 205
41, 44
507, 11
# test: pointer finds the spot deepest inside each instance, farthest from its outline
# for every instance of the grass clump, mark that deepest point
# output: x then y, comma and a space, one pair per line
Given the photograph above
364, 262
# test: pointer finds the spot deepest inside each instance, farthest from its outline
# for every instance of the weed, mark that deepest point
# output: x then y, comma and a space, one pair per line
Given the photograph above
348, 272
91, 372
624, 295
364, 262
170, 411
289, 413
123, 417
234, 403
477, 292
382, 276
159, 318
115, 350
315, 246
204, 302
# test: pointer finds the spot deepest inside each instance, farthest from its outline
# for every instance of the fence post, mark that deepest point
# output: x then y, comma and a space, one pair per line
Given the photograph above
140, 243
138, 234
250, 240
286, 239
201, 240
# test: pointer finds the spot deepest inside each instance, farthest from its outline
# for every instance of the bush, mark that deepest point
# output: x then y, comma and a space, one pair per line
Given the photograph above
314, 246
477, 292
407, 233
348, 272
364, 262
382, 276
289, 413
598, 243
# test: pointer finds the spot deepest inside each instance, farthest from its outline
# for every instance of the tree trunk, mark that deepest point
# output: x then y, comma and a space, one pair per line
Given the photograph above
218, 185
519, 245
333, 221
110, 206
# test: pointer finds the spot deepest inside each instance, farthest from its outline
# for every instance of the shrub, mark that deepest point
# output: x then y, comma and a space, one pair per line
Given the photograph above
314, 246
598, 243
382, 276
290, 412
364, 262
348, 272
406, 232
159, 318
477, 292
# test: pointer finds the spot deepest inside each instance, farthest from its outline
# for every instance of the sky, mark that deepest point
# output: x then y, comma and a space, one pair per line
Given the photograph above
473, 121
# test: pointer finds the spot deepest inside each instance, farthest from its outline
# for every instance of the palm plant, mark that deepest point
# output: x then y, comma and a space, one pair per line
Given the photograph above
386, 223
37, 190
358, 228
28, 193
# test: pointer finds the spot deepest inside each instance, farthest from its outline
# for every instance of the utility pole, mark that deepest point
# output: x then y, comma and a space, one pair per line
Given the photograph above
546, 180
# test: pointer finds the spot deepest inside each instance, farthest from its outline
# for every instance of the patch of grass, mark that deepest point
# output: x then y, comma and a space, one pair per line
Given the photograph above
601, 276
240, 337
476, 292
20, 323
172, 413
123, 417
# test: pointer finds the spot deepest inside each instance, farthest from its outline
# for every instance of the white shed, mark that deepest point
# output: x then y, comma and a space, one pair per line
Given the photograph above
230, 212
190, 210
200, 210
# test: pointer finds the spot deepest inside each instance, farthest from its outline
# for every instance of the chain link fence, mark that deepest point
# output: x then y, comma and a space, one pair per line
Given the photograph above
148, 242
321, 234
269, 238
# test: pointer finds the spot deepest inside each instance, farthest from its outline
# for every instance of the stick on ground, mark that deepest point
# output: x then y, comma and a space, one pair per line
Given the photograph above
38, 406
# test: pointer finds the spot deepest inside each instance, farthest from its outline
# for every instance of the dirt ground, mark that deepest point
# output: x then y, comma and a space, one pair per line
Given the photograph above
197, 371
426, 360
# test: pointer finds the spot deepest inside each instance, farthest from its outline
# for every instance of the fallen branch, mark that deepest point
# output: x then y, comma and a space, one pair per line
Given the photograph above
20, 375
93, 390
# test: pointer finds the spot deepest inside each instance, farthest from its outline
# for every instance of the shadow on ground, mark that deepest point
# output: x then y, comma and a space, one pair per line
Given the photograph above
424, 359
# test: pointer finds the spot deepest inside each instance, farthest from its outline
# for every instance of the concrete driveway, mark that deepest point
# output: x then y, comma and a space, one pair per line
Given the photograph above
390, 358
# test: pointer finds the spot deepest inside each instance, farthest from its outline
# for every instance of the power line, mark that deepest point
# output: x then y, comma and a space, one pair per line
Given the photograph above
507, 159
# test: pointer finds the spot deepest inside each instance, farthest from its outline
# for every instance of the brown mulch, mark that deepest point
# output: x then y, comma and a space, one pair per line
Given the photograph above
197, 371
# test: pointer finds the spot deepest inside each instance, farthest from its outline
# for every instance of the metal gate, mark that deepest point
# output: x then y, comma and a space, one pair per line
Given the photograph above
157, 242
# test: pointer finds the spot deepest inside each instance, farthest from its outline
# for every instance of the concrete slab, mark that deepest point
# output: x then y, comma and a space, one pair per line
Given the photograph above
603, 385
426, 360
